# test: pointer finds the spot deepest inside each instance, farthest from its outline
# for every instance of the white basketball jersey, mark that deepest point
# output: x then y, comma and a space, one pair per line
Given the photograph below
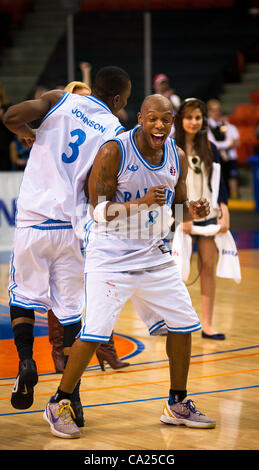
61, 156
135, 242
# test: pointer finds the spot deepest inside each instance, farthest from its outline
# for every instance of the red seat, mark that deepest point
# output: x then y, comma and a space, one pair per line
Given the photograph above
92, 5
247, 143
16, 8
244, 115
254, 97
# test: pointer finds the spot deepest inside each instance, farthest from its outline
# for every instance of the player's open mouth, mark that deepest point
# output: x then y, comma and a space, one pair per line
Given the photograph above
158, 139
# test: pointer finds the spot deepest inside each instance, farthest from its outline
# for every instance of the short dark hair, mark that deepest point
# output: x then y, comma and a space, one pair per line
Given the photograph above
110, 81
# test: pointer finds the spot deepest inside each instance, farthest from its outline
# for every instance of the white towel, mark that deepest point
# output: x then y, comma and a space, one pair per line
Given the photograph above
215, 183
181, 247
228, 265
205, 230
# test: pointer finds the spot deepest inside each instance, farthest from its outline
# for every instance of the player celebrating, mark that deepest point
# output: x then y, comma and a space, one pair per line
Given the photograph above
46, 269
140, 175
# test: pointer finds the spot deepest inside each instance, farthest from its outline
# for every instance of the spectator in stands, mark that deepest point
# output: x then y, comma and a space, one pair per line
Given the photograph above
161, 86
86, 68
203, 161
19, 154
5, 135
226, 137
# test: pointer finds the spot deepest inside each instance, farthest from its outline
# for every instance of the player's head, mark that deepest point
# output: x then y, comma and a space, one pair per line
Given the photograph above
113, 86
78, 88
155, 119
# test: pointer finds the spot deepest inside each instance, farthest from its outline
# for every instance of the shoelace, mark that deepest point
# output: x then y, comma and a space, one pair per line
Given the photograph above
189, 404
66, 412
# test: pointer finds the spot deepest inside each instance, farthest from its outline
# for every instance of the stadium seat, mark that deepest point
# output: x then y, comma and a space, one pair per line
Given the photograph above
16, 8
131, 5
247, 143
244, 115
254, 97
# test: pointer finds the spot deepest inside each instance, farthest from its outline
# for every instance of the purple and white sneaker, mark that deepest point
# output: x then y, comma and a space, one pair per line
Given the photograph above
60, 418
185, 413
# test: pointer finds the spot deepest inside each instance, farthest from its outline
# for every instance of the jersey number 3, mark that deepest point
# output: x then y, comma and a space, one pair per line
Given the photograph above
74, 146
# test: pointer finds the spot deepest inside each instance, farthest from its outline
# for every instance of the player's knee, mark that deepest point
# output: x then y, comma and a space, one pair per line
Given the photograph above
21, 315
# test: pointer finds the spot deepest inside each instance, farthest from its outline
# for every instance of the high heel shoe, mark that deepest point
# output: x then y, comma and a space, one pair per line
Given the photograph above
107, 352
56, 333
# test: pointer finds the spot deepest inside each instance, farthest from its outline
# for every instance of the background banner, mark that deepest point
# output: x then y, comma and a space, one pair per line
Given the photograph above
9, 189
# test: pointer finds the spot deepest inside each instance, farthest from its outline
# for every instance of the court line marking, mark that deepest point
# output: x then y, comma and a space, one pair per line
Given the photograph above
140, 384
144, 383
139, 400
97, 367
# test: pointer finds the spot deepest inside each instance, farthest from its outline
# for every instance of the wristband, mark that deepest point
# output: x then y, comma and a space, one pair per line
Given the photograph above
99, 213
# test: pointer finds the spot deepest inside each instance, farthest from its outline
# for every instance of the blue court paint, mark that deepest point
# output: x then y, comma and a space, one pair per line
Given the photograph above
127, 402
6, 332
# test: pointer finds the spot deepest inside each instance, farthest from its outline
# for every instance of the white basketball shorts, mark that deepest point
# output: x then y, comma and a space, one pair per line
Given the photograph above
47, 270
160, 298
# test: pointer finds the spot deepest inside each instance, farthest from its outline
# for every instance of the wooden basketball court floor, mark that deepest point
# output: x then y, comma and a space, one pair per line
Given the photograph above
122, 408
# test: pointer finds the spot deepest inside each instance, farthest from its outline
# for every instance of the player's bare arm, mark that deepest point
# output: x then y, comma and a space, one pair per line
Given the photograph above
103, 183
191, 209
18, 116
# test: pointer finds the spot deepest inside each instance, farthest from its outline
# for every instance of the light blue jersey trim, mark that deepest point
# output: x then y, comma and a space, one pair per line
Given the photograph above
51, 224
57, 105
53, 221
148, 165
12, 269
19, 303
97, 101
52, 227
182, 329
123, 157
122, 150
119, 129
87, 233
70, 320
177, 158
156, 327
185, 329
94, 338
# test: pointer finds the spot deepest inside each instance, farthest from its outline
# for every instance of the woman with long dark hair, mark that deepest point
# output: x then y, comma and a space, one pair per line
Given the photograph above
191, 135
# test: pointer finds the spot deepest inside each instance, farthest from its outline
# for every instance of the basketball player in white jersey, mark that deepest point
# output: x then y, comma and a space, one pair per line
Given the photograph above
46, 268
141, 175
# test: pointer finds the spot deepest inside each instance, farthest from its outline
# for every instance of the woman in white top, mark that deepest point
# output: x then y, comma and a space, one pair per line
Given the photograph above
191, 135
